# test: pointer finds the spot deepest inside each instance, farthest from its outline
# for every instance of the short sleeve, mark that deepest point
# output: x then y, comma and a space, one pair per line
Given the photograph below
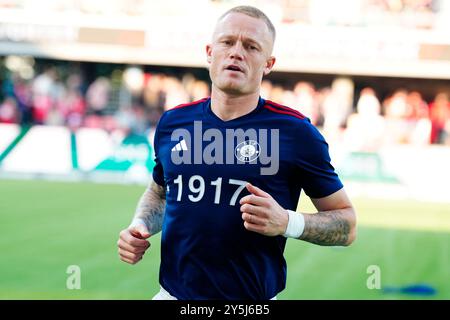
158, 171
317, 176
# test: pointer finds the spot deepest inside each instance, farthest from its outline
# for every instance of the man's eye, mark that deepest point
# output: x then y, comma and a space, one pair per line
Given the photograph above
227, 42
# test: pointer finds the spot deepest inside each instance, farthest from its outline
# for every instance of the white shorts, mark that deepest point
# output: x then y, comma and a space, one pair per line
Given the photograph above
164, 295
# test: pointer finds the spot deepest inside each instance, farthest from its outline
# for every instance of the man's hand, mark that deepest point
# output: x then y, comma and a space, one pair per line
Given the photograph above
262, 214
132, 244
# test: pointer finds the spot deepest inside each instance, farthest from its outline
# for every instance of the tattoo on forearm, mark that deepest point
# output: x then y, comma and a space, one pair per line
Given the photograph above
326, 228
151, 207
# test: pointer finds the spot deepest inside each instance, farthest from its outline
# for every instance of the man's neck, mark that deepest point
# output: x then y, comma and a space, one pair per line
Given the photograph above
228, 107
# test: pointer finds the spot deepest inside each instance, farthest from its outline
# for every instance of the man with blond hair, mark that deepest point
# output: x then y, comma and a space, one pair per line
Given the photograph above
228, 176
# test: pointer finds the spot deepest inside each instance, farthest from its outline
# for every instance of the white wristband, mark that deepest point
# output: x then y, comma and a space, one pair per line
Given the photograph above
296, 225
137, 221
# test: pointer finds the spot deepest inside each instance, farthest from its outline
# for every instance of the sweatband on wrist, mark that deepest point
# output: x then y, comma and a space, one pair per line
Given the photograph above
296, 225
136, 222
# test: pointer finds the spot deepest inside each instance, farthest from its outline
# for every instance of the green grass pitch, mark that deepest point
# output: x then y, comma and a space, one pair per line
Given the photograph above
48, 226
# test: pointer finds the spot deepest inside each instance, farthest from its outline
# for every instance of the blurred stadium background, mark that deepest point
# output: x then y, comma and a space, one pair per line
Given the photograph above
83, 84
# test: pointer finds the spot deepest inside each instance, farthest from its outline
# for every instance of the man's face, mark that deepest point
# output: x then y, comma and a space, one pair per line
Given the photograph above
240, 54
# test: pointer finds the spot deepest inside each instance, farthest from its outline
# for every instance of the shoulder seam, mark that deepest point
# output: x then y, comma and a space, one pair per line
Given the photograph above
285, 108
287, 112
188, 104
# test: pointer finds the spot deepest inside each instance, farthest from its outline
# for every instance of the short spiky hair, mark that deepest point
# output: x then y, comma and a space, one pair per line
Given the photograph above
252, 12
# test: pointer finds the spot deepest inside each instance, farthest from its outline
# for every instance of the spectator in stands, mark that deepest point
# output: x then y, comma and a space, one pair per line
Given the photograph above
365, 128
154, 97
98, 95
23, 96
175, 93
419, 119
42, 95
200, 89
9, 112
397, 111
440, 118
337, 106
74, 104
306, 101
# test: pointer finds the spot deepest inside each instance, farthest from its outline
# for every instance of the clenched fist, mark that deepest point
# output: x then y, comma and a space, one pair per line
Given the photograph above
132, 242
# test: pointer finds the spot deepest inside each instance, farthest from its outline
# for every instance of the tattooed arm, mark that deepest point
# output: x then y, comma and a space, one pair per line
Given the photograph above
150, 207
147, 221
334, 224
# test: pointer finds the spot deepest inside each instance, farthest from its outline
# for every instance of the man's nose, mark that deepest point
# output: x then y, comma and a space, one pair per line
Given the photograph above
237, 51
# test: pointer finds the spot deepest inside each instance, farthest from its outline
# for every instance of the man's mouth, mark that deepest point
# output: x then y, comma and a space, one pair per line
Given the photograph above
233, 67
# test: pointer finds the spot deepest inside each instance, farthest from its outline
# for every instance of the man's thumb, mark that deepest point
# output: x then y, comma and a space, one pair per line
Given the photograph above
142, 230
139, 229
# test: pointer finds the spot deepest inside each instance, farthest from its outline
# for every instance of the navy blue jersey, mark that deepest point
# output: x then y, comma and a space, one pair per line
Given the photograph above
204, 163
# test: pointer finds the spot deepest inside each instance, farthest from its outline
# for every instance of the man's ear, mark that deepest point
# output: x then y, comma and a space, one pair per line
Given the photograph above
208, 53
269, 65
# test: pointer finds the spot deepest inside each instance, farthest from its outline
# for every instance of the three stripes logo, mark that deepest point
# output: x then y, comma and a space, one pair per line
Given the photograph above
180, 146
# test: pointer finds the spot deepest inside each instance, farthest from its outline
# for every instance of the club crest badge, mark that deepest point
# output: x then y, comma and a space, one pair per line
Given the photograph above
247, 151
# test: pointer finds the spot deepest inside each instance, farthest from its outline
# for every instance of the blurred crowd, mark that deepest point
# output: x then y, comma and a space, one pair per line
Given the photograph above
132, 100
367, 13
366, 122
420, 14
127, 99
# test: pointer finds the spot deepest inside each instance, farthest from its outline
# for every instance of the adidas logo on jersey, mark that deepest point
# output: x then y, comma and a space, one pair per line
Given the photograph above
180, 146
